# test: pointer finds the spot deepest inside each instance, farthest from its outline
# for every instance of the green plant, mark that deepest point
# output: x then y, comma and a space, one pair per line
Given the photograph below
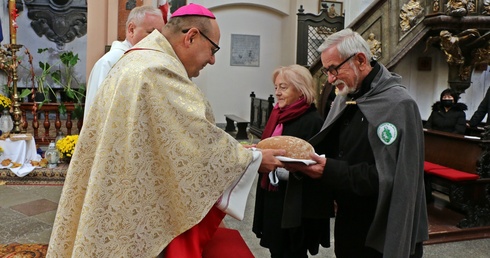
43, 85
64, 77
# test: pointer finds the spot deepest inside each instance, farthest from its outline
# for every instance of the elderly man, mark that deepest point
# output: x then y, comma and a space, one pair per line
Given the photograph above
373, 143
151, 167
141, 22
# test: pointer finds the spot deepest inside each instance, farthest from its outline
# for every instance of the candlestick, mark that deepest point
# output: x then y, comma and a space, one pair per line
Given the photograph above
16, 100
13, 24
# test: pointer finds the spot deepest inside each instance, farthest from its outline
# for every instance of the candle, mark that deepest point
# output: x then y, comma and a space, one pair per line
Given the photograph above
13, 24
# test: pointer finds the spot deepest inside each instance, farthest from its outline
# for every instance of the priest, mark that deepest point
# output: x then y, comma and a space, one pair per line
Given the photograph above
152, 174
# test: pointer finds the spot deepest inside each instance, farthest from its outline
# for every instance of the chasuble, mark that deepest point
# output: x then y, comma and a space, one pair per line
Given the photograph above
149, 164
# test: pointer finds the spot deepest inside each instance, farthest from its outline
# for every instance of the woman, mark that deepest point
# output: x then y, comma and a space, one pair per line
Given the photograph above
285, 218
447, 114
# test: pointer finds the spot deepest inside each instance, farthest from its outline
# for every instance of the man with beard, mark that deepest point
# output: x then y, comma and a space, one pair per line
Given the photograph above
373, 143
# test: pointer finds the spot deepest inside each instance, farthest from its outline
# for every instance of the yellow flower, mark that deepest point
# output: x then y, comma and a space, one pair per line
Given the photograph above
66, 146
5, 102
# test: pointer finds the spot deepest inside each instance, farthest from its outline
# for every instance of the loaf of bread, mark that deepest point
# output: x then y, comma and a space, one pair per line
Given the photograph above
296, 148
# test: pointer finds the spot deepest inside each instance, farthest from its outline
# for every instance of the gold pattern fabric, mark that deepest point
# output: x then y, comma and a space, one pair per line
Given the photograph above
149, 164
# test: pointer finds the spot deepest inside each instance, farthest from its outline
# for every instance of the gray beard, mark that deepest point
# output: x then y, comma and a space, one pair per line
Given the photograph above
347, 88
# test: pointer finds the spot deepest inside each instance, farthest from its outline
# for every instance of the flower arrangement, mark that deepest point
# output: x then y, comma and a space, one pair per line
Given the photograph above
5, 102
66, 146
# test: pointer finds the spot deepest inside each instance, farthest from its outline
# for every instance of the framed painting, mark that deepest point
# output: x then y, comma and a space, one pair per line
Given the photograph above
332, 8
245, 50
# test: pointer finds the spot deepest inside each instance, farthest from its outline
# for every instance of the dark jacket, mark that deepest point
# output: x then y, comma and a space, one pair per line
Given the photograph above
482, 110
452, 121
397, 141
292, 210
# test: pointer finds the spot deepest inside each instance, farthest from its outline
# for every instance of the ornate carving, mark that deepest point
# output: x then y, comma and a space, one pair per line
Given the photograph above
471, 6
486, 7
463, 50
61, 21
374, 45
313, 29
474, 198
435, 6
410, 14
483, 166
477, 210
456, 8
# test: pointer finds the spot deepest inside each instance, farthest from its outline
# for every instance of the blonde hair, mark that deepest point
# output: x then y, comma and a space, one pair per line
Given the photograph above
299, 77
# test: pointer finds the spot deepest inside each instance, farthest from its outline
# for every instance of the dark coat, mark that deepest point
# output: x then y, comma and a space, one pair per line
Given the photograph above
396, 138
292, 211
452, 121
482, 110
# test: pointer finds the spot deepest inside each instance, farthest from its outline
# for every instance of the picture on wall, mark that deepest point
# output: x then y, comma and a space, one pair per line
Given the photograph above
245, 50
332, 8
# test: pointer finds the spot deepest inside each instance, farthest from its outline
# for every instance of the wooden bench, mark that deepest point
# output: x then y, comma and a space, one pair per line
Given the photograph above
260, 110
458, 166
242, 125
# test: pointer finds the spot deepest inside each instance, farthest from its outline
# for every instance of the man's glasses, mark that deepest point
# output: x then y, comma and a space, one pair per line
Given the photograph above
216, 47
333, 70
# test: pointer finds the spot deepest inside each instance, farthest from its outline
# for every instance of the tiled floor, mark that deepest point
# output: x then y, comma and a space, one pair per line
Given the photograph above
27, 214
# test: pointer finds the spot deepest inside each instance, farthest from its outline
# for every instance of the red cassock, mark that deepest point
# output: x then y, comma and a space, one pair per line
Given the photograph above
190, 244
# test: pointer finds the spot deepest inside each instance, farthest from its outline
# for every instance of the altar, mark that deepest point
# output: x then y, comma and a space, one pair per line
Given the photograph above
20, 152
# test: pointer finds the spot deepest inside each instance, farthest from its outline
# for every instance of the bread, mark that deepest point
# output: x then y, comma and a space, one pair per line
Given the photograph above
6, 162
296, 148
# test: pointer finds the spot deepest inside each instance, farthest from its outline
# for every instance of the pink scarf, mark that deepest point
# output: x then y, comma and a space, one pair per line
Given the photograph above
274, 127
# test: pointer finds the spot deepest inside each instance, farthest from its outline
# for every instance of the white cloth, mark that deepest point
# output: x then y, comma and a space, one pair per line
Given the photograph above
304, 161
234, 199
22, 151
101, 69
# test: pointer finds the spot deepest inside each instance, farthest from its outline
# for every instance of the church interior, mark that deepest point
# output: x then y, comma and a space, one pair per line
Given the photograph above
433, 44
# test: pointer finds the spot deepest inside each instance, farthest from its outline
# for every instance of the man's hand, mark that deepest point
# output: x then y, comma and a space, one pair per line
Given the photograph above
269, 160
313, 171
248, 146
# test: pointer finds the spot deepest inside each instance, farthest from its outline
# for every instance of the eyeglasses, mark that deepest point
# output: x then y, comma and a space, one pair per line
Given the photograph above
216, 47
333, 70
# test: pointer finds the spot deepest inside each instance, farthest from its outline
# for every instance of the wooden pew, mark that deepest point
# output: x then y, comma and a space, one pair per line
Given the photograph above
241, 124
260, 110
463, 173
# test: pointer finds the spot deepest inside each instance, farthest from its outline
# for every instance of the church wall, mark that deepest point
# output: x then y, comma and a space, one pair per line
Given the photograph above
228, 87
27, 37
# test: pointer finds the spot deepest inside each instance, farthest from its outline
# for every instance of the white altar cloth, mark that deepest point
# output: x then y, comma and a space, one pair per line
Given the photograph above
21, 151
